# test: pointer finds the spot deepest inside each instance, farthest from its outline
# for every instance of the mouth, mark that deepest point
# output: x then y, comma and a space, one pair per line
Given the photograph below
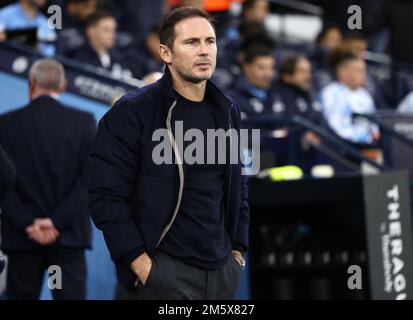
203, 64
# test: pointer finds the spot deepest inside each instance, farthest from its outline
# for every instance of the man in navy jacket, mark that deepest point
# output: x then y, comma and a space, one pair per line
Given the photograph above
45, 217
174, 231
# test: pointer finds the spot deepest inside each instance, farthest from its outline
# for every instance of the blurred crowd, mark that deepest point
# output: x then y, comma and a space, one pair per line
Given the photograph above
328, 81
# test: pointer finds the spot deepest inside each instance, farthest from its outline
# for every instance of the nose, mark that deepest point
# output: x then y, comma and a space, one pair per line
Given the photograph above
203, 50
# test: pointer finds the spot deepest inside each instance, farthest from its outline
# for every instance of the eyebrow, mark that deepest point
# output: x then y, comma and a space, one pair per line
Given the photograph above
197, 39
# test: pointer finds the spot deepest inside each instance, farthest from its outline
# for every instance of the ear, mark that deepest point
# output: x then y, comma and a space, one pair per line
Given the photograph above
32, 83
165, 53
63, 86
32, 87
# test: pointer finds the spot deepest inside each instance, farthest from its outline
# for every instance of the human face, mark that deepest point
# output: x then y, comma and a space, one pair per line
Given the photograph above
193, 54
104, 33
258, 12
332, 39
358, 47
302, 75
353, 73
260, 73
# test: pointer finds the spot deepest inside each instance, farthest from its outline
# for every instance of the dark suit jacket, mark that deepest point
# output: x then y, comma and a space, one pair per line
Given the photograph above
88, 55
7, 174
49, 145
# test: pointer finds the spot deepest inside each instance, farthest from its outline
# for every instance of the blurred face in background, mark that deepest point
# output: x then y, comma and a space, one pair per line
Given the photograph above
301, 77
193, 55
352, 73
357, 47
260, 72
103, 33
81, 10
332, 39
258, 12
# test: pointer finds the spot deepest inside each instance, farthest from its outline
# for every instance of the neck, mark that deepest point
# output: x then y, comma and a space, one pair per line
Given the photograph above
352, 88
189, 90
44, 92
99, 49
30, 10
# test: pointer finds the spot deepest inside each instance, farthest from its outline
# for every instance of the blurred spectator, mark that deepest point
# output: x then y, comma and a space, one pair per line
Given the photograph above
26, 14
254, 13
72, 36
143, 57
406, 106
355, 43
229, 55
346, 96
296, 99
375, 85
45, 219
7, 175
137, 17
99, 49
252, 89
295, 90
328, 39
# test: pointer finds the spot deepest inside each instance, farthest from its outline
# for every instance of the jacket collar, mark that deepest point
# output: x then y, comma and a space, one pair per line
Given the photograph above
222, 101
44, 99
243, 85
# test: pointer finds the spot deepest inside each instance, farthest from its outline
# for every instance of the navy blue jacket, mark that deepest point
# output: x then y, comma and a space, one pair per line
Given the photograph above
132, 200
88, 55
49, 145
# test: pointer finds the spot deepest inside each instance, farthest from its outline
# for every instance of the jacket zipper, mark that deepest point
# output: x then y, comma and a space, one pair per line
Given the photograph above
178, 158
230, 173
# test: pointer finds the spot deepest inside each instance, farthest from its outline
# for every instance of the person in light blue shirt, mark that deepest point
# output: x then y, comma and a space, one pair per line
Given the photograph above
345, 97
26, 14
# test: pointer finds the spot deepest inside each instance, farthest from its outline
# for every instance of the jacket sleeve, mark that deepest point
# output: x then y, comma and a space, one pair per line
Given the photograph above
22, 216
7, 174
241, 241
116, 160
76, 202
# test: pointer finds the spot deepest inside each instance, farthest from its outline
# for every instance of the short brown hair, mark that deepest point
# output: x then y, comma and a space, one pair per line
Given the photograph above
167, 31
340, 56
96, 17
289, 65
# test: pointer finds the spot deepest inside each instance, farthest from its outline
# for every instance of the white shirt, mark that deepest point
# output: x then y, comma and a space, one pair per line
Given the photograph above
105, 60
339, 103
